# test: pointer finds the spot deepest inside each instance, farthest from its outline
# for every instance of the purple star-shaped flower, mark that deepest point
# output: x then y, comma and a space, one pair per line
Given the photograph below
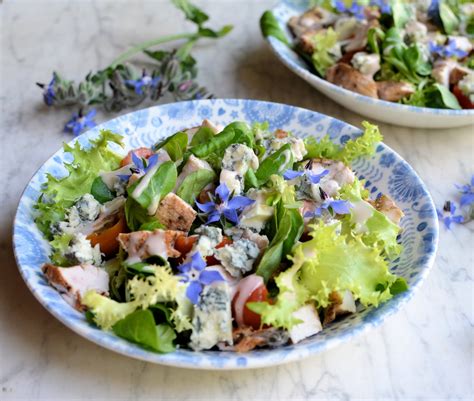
355, 9
142, 166
146, 81
449, 209
195, 274
383, 6
449, 50
337, 206
224, 206
80, 122
48, 92
467, 191
314, 178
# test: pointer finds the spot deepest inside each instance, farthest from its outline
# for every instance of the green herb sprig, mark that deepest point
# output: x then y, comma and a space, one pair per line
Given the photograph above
123, 85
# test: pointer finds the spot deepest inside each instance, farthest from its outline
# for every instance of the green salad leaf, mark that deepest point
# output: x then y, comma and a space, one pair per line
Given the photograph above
363, 145
175, 145
276, 163
448, 17
139, 327
100, 191
157, 186
203, 135
87, 162
59, 246
270, 27
322, 58
194, 183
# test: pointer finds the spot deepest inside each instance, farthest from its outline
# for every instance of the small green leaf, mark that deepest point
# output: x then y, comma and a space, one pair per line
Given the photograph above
139, 268
193, 184
250, 179
401, 13
441, 97
276, 163
175, 145
192, 13
100, 191
398, 286
151, 226
162, 182
203, 135
448, 17
139, 327
270, 27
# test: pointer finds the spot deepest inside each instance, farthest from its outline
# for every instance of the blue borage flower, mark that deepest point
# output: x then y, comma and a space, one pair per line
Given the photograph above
224, 206
449, 50
48, 92
448, 215
80, 122
355, 9
195, 274
384, 6
314, 178
467, 191
337, 206
142, 166
146, 81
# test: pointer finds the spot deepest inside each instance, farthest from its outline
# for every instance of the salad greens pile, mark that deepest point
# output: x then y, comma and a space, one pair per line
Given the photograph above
217, 234
413, 52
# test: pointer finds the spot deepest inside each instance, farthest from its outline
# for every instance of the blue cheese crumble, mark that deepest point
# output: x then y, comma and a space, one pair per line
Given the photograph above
238, 258
212, 320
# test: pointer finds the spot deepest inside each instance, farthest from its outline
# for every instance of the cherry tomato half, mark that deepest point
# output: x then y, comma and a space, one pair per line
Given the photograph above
463, 100
144, 153
107, 238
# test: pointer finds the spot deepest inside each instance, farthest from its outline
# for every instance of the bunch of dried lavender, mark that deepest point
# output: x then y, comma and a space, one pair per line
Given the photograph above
123, 85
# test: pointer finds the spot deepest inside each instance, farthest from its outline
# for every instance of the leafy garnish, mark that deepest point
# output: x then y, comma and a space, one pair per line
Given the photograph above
322, 58
270, 27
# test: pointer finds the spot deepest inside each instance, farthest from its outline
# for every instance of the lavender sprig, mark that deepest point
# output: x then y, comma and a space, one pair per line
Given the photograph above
123, 85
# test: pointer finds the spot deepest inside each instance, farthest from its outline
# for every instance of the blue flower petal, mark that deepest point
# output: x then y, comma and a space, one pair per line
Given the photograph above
138, 162
206, 207
239, 202
193, 291
223, 192
213, 217
231, 215
340, 206
210, 276
292, 174
316, 178
152, 160
197, 262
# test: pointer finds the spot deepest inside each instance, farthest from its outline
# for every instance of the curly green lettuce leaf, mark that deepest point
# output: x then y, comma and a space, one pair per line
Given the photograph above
60, 193
334, 262
59, 246
363, 145
376, 229
322, 58
105, 311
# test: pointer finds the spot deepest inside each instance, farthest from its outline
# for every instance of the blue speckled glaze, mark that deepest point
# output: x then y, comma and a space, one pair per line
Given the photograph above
385, 172
288, 8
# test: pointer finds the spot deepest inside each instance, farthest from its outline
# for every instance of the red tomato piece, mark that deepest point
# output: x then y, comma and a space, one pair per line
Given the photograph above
211, 260
463, 100
144, 153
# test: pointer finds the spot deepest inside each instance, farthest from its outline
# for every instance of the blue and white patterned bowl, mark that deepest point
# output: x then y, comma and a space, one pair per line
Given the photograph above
381, 110
385, 172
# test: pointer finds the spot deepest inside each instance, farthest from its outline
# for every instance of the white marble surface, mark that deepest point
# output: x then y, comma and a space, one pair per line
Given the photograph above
424, 352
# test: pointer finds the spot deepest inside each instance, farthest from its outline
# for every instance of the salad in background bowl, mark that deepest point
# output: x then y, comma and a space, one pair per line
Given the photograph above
236, 236
417, 56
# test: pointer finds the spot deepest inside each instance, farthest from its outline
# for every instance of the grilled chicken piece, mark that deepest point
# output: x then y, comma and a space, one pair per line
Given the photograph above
447, 72
340, 305
175, 214
384, 204
393, 91
359, 40
141, 245
314, 19
349, 78
73, 282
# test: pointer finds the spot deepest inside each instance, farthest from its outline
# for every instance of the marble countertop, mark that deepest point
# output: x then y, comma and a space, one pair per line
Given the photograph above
423, 352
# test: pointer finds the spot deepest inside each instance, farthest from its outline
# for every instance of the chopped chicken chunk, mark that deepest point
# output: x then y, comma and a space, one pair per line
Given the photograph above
340, 305
73, 282
309, 326
387, 206
141, 245
393, 91
175, 214
344, 75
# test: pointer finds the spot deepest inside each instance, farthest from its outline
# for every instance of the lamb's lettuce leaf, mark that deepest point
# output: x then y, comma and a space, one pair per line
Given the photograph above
270, 27
175, 145
139, 327
161, 183
276, 163
194, 183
